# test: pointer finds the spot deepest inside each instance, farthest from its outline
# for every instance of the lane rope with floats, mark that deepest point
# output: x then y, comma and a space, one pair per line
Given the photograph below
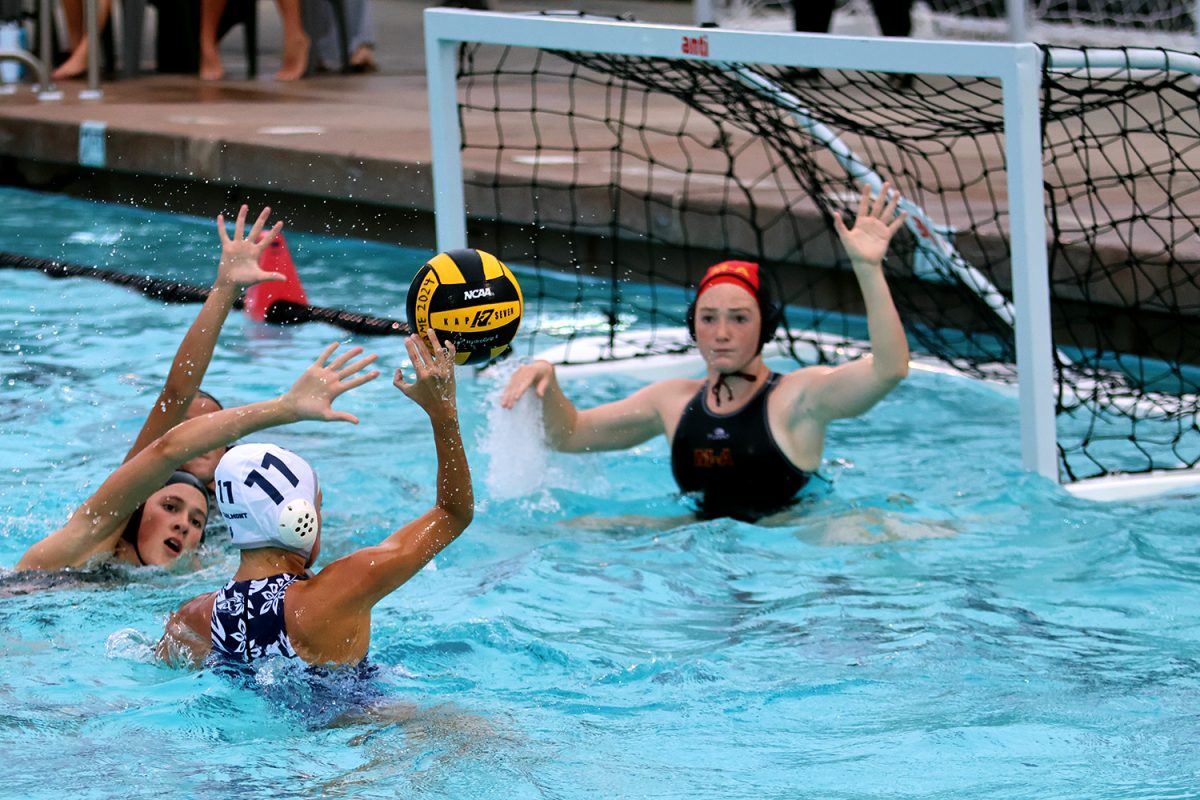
279, 303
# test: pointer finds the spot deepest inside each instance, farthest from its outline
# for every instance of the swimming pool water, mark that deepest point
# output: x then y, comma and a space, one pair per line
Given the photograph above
933, 623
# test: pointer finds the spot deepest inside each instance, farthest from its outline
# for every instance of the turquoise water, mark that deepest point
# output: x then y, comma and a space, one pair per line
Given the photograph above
933, 623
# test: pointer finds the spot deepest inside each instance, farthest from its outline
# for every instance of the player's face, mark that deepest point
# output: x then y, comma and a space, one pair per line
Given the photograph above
727, 327
204, 465
172, 523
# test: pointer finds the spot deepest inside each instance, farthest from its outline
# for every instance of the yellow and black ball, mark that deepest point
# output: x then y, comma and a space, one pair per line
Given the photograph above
470, 298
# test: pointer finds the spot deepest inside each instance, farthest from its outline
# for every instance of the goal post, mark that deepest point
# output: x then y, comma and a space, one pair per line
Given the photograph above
1051, 196
1016, 66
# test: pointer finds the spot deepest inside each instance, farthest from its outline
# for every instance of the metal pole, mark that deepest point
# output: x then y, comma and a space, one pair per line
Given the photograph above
93, 55
28, 59
1018, 20
703, 15
45, 46
441, 74
1030, 270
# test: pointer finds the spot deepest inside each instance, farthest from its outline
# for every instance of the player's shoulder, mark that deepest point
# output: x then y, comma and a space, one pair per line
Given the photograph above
794, 385
672, 388
199, 607
803, 376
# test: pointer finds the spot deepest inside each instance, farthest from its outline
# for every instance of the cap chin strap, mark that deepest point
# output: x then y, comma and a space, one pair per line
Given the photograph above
722, 382
137, 551
130, 534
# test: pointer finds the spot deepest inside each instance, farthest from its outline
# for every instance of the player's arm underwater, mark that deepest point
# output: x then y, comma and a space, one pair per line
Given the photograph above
97, 525
237, 269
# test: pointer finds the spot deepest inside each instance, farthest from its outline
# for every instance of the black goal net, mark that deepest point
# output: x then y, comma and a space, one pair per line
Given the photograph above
620, 179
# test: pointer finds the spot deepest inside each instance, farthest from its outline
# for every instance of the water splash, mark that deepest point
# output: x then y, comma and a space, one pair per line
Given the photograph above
514, 443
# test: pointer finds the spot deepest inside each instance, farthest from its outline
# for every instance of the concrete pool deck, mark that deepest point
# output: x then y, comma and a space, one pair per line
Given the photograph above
355, 147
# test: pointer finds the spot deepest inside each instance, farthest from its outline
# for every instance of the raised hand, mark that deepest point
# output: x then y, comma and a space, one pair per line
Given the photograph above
874, 225
312, 395
239, 256
433, 389
537, 375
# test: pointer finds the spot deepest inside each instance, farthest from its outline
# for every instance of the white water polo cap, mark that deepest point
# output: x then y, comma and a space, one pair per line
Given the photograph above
268, 495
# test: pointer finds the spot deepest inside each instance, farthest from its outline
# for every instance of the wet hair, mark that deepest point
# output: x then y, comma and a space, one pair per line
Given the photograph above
130, 534
210, 398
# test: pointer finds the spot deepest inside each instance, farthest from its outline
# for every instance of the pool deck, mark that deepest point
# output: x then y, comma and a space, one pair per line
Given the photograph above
357, 144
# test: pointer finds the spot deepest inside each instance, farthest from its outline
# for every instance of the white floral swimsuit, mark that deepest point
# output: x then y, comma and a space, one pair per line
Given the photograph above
248, 622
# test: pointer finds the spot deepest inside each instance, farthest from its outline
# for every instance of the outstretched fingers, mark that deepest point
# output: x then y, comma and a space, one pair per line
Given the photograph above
326, 353
257, 228
839, 224
240, 225
448, 350
341, 416
414, 356
262, 240
357, 366
889, 210
880, 200
864, 202
418, 354
354, 383
341, 360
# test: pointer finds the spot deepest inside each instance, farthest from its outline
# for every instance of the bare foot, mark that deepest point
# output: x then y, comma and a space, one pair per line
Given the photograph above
211, 68
295, 59
75, 66
363, 59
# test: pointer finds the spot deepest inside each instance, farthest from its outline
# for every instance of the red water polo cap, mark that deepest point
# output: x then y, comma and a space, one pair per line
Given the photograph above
739, 273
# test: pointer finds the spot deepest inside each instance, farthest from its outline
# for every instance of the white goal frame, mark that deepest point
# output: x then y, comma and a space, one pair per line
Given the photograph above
1016, 66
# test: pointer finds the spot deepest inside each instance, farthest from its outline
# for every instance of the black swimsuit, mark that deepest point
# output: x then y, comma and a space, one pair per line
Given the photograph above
732, 461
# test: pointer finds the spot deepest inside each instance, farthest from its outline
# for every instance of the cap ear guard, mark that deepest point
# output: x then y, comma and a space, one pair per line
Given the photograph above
298, 524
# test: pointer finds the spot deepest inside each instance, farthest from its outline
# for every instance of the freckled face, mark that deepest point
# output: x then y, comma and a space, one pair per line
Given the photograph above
203, 466
172, 523
727, 327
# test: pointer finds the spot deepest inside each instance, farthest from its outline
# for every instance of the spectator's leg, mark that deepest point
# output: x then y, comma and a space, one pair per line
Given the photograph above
895, 16
895, 19
318, 24
73, 16
295, 42
812, 16
76, 64
211, 68
362, 38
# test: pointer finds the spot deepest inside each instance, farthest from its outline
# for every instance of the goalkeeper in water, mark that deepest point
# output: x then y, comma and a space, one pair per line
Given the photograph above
745, 440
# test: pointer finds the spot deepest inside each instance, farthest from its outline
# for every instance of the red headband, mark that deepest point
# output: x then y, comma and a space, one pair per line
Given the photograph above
739, 273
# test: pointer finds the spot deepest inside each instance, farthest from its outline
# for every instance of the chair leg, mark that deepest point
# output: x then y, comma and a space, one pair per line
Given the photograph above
133, 22
251, 38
